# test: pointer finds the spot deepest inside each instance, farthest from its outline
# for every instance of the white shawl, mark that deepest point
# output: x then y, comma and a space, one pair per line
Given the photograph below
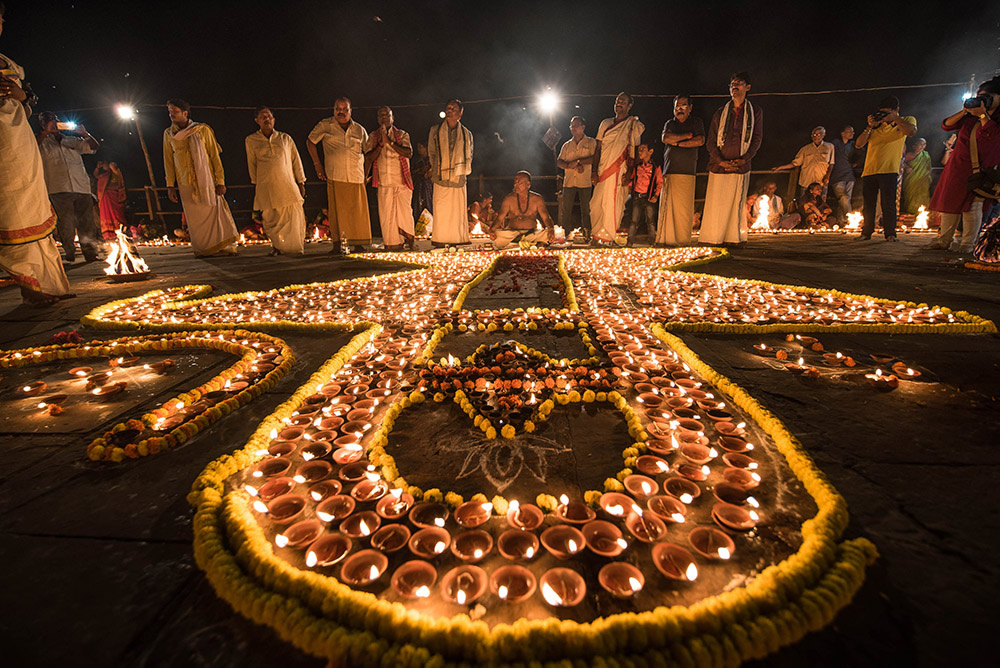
747, 131
455, 162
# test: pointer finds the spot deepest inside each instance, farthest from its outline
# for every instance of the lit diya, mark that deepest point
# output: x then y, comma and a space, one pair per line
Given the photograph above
472, 546
512, 583
562, 587
517, 545
730, 516
328, 550
527, 516
335, 507
364, 567
711, 543
285, 508
651, 465
430, 542
616, 504
640, 486
271, 488
414, 579
464, 584
574, 512
667, 508
360, 525
674, 561
473, 513
621, 579
324, 489
563, 541
391, 538
109, 390
299, 534
394, 505
604, 538
646, 527
32, 389
429, 515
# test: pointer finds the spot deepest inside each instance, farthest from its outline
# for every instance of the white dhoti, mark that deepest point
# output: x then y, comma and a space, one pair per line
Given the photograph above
725, 219
210, 223
286, 228
36, 267
451, 217
504, 237
676, 214
395, 214
607, 205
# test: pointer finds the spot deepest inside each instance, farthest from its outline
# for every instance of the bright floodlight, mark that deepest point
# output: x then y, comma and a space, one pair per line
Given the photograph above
548, 101
125, 112
966, 95
442, 114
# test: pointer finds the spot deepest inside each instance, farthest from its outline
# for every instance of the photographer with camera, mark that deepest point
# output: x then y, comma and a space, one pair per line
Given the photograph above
955, 196
886, 135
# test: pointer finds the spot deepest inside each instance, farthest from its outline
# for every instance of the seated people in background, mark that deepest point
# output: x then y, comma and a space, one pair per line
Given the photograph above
254, 231
814, 207
644, 192
321, 223
481, 211
751, 201
519, 216
776, 218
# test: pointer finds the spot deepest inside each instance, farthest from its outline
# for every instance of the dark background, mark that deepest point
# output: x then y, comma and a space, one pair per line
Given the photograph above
81, 55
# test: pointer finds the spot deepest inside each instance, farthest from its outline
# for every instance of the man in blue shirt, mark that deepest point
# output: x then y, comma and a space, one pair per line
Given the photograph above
842, 177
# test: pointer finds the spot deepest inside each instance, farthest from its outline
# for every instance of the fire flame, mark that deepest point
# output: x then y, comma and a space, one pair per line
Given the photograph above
921, 221
121, 260
854, 219
764, 207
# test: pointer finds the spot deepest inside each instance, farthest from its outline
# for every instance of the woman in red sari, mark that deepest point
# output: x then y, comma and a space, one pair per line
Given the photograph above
110, 198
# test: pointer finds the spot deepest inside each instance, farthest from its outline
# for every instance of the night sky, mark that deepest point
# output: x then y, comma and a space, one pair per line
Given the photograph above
304, 54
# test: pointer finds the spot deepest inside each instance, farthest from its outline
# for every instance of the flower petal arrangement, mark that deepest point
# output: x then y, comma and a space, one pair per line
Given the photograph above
681, 552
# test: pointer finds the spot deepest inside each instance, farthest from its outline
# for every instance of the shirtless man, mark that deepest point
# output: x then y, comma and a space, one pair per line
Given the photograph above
519, 215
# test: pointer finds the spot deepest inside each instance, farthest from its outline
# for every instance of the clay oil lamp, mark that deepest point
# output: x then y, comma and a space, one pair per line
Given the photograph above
414, 579
272, 488
327, 550
330, 389
426, 515
621, 579
281, 449
472, 546
745, 478
370, 489
430, 542
696, 453
563, 541
640, 486
237, 386
473, 513
335, 507
315, 450
80, 371
763, 350
331, 423
674, 561
283, 509
659, 416
526, 517
712, 543
562, 587
574, 512
364, 567
882, 358
391, 538
358, 414
355, 427
646, 527
360, 525
651, 465
299, 534
512, 583
53, 400
604, 538
291, 434
732, 494
688, 424
718, 415
324, 489
109, 389
313, 471
730, 516
693, 471
904, 372
646, 388
667, 508
348, 454
269, 468
464, 584
394, 505
356, 471
796, 367
649, 400
733, 444
517, 545
616, 504
739, 461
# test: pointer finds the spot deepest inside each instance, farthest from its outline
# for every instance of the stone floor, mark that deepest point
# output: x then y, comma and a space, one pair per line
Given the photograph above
97, 559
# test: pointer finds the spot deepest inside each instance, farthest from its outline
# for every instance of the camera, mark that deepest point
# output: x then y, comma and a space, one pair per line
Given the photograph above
984, 99
880, 114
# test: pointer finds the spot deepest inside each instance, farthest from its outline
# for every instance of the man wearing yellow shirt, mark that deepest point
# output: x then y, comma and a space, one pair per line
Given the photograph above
886, 139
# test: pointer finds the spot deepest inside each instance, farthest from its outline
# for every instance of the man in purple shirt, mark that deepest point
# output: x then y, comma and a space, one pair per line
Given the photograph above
733, 140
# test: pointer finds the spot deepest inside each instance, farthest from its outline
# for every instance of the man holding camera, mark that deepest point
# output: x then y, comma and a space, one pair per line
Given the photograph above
886, 139
952, 197
69, 185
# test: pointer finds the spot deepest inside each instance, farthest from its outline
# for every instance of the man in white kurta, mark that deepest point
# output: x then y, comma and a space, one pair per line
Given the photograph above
193, 166
617, 139
389, 151
28, 254
449, 147
343, 169
276, 171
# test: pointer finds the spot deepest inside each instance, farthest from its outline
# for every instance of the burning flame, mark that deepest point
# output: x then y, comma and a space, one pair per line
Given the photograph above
764, 208
692, 572
121, 260
550, 596
422, 592
921, 222
854, 219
